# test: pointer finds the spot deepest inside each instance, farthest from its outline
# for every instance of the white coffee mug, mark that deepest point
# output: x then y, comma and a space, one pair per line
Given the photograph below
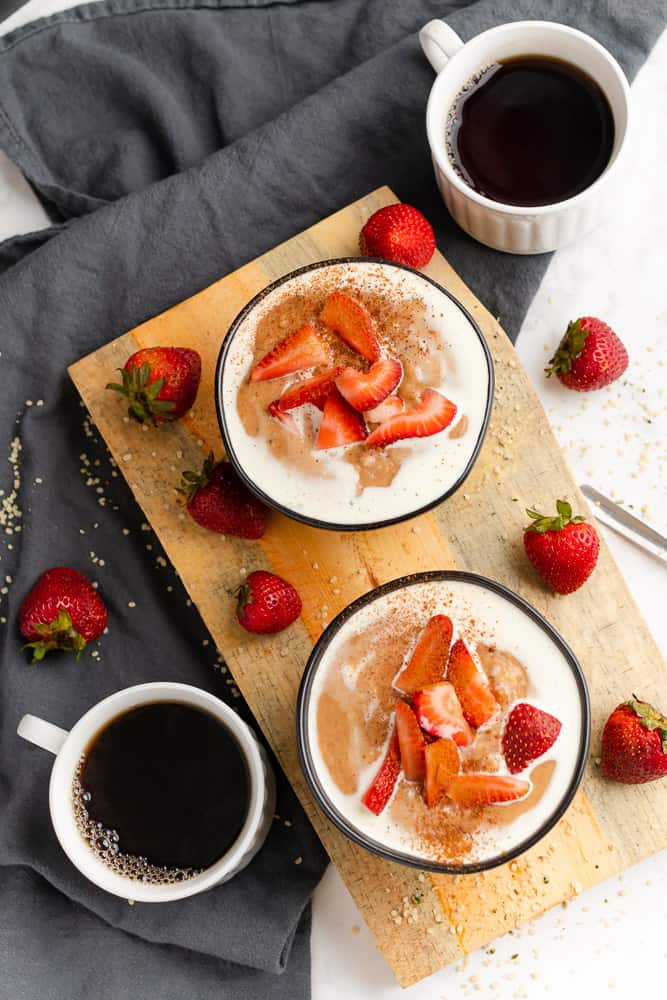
69, 748
513, 228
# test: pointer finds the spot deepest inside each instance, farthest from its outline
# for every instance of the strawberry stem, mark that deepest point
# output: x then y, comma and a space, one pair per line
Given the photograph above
193, 481
243, 596
650, 718
568, 350
142, 395
542, 523
58, 634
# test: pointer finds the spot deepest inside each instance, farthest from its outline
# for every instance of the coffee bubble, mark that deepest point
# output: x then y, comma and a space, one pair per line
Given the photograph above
105, 844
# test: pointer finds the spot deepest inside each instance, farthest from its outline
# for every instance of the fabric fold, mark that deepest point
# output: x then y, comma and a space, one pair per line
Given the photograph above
68, 952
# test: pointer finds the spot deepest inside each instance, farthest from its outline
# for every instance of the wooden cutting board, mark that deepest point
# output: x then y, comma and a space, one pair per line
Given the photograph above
607, 827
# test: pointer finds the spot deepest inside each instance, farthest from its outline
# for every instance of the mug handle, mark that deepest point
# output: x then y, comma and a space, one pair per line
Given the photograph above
439, 43
43, 734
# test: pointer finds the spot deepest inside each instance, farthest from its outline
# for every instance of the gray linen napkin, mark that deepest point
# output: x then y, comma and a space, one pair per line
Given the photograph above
171, 142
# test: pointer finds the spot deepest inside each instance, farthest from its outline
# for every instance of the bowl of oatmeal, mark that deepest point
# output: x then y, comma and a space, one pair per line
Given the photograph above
443, 723
353, 394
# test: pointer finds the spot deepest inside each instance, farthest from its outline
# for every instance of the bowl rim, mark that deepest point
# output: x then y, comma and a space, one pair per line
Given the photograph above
310, 772
315, 522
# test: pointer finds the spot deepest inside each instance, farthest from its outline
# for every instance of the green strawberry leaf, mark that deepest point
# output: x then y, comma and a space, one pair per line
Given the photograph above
143, 375
137, 411
193, 481
542, 523
58, 634
142, 395
61, 623
152, 390
564, 509
568, 350
650, 718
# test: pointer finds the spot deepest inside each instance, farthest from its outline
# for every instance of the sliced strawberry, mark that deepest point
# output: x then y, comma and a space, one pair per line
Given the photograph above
486, 789
410, 741
442, 764
382, 789
471, 686
285, 418
340, 424
311, 390
302, 349
429, 659
431, 416
364, 390
353, 324
389, 407
439, 713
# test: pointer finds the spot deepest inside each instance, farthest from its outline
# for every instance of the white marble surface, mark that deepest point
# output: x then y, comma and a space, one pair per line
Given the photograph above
611, 939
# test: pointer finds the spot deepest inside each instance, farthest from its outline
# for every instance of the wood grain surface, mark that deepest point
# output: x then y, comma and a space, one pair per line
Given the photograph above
608, 827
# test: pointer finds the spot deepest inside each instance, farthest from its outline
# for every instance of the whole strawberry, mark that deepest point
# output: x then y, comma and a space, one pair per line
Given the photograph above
529, 733
589, 356
399, 233
160, 383
218, 500
62, 611
267, 603
563, 549
634, 744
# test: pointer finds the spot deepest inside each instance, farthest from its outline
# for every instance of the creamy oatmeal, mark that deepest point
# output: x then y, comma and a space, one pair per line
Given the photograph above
439, 351
353, 710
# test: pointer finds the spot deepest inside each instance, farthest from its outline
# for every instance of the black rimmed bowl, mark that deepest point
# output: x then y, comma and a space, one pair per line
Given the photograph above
516, 627
436, 467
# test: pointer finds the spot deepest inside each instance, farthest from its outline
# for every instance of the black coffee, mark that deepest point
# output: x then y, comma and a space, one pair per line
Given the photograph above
162, 792
531, 131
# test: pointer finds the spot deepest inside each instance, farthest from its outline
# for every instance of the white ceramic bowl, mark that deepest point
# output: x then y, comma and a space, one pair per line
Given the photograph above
436, 467
503, 617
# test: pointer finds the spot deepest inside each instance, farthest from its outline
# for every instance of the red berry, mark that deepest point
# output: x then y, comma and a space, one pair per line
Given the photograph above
382, 788
353, 323
284, 417
364, 390
473, 790
442, 764
340, 424
219, 501
589, 356
160, 383
428, 662
634, 744
471, 686
62, 611
411, 743
439, 712
563, 549
267, 603
433, 414
399, 233
301, 350
311, 390
389, 407
528, 734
